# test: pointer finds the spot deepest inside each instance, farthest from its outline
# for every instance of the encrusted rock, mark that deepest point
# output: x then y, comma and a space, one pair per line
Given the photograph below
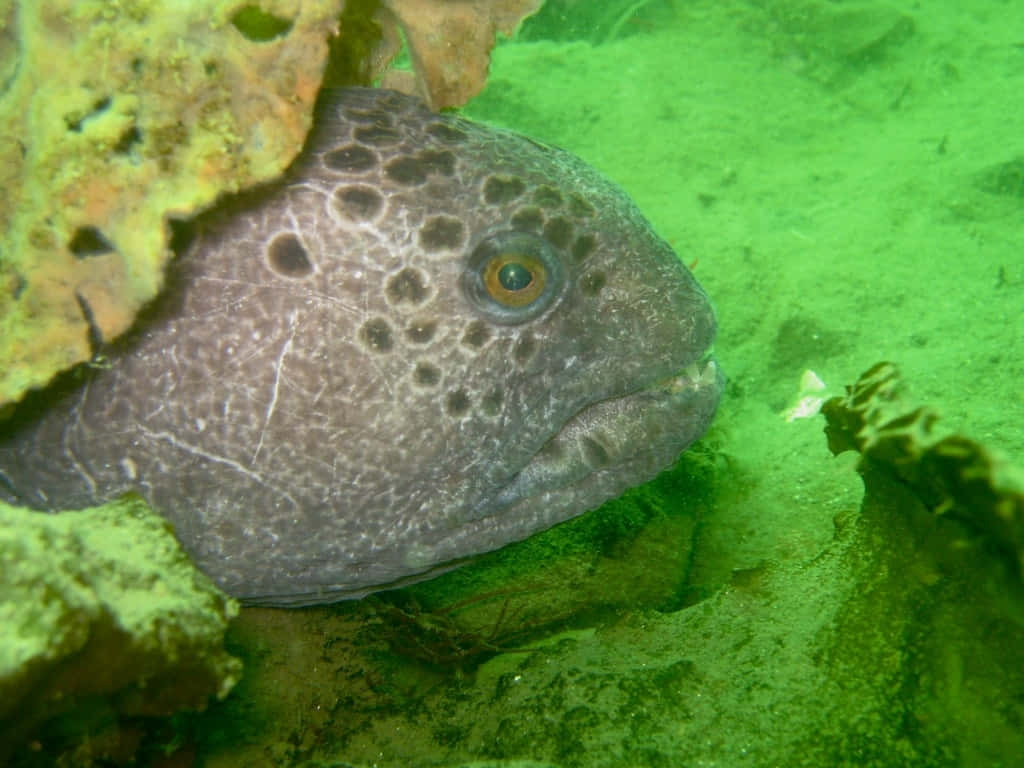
102, 605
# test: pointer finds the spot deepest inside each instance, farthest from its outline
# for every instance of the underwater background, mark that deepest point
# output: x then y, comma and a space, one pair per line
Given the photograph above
846, 180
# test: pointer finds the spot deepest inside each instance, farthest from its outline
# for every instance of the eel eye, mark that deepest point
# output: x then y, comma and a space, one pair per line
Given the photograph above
515, 279
513, 276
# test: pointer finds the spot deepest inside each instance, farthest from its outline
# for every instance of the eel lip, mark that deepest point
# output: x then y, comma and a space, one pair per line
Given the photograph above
626, 439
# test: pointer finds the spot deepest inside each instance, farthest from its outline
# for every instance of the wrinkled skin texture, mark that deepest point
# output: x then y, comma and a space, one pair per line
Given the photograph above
329, 399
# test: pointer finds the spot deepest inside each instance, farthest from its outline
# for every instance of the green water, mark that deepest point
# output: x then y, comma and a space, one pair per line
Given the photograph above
847, 180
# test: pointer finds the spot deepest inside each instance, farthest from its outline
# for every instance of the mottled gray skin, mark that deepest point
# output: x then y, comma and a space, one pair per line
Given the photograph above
327, 401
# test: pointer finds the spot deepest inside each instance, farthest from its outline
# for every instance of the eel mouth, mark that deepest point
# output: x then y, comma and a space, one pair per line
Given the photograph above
701, 374
618, 442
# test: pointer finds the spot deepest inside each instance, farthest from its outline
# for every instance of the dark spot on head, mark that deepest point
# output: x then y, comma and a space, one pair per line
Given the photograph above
421, 331
580, 207
257, 25
406, 170
426, 374
128, 139
476, 335
457, 402
558, 231
592, 283
547, 197
376, 335
529, 219
442, 232
446, 133
377, 135
350, 159
288, 257
438, 161
357, 203
368, 116
89, 241
583, 247
524, 349
502, 189
594, 454
409, 285
491, 402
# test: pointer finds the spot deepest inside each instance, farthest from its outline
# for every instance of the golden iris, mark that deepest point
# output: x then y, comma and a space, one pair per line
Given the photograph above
515, 279
512, 277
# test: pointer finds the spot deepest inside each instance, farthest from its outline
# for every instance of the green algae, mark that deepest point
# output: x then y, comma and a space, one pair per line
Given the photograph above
102, 605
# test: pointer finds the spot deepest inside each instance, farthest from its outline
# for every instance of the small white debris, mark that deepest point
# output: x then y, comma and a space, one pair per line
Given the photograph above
809, 398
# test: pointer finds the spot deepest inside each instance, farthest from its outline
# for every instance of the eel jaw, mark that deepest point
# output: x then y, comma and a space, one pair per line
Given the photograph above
618, 442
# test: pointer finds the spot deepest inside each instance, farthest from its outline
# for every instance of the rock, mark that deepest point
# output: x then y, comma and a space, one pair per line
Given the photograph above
102, 605
115, 117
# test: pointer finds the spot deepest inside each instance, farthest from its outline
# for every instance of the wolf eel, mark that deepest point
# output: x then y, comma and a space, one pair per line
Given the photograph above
430, 338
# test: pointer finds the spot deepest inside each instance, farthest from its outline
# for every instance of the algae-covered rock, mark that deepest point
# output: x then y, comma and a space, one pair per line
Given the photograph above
103, 605
956, 481
114, 116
